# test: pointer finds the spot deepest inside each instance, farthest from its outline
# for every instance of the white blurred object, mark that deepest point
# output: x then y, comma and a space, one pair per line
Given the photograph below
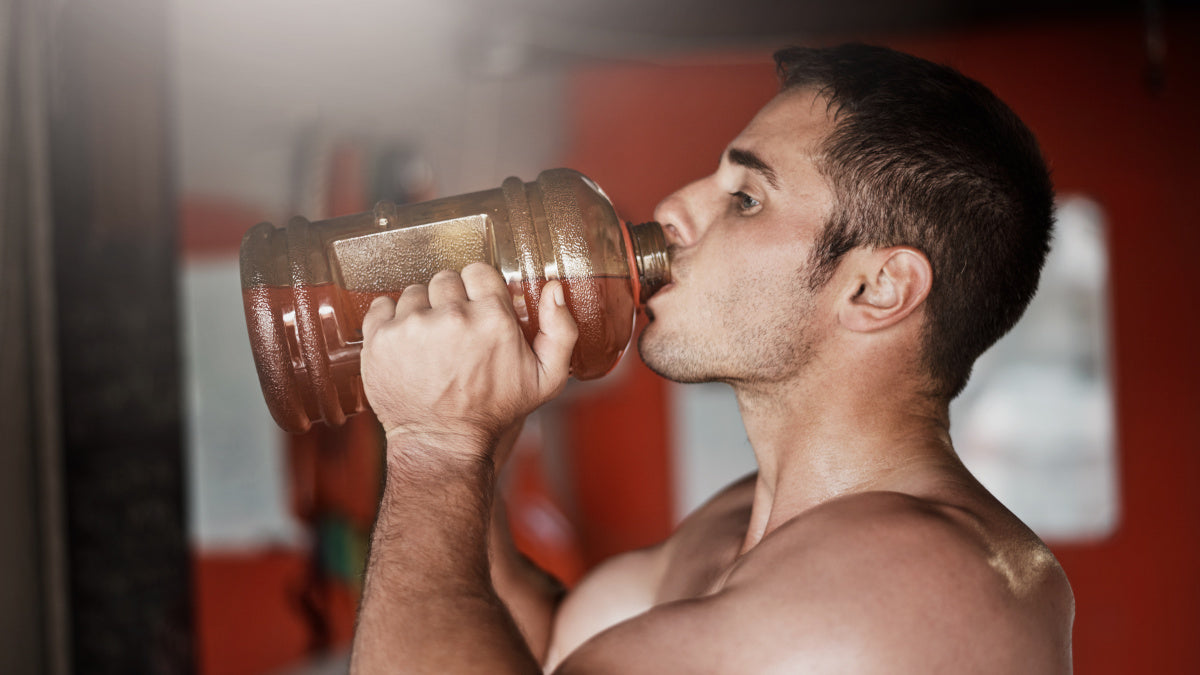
1035, 423
710, 445
237, 478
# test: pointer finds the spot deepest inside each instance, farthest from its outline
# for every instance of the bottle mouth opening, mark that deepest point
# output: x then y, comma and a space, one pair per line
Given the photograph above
649, 246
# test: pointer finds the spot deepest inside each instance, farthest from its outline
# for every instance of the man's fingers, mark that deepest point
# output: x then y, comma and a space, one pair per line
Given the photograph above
555, 340
414, 299
482, 280
382, 309
446, 287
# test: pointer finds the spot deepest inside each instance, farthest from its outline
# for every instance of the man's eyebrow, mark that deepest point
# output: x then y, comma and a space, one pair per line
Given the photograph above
755, 163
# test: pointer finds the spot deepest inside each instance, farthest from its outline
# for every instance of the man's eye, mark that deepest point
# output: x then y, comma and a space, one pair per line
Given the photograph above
743, 201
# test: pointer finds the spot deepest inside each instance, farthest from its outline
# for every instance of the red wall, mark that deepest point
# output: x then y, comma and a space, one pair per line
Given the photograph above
642, 131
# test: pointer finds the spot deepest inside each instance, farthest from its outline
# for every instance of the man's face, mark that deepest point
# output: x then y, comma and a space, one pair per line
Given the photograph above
739, 308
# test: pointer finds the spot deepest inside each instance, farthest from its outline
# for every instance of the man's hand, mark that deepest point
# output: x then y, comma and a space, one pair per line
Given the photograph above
449, 361
448, 372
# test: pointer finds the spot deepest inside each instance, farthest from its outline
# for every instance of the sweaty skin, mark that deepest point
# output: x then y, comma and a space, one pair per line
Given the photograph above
862, 544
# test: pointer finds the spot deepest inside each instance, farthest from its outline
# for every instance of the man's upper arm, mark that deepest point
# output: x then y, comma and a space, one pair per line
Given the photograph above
718, 634
619, 589
627, 585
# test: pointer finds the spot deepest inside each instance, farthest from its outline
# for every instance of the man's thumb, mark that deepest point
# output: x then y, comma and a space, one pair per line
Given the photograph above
555, 340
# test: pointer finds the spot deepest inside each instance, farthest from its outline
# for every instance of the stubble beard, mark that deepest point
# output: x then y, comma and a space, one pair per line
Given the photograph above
671, 357
750, 343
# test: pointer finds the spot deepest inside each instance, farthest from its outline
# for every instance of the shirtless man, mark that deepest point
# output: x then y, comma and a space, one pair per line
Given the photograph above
877, 225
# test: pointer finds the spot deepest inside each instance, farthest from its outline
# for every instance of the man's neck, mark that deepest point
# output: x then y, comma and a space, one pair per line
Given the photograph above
814, 443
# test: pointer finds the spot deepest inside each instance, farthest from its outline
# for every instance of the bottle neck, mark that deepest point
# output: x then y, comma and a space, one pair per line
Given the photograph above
650, 259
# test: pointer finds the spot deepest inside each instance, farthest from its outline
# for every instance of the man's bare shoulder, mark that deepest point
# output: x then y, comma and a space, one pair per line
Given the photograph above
875, 582
965, 552
928, 586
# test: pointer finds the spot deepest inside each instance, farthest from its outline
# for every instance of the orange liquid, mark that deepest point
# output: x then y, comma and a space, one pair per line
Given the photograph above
306, 341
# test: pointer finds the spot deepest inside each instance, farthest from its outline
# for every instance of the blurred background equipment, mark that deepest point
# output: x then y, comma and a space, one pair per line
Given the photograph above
155, 520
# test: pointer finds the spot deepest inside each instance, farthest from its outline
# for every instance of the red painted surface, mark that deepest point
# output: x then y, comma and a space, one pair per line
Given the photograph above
248, 617
643, 131
537, 519
213, 226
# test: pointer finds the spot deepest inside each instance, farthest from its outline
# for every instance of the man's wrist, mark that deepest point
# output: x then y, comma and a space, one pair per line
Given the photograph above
432, 456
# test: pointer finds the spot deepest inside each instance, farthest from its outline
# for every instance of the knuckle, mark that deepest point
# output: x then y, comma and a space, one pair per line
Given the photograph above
481, 276
500, 318
454, 312
494, 304
478, 268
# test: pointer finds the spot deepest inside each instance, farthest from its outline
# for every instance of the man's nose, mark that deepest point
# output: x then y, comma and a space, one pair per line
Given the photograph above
677, 217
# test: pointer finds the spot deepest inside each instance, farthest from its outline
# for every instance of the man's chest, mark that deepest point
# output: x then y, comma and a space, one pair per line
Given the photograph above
702, 555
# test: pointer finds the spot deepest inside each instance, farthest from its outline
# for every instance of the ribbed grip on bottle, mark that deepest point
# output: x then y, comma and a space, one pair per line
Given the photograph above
650, 256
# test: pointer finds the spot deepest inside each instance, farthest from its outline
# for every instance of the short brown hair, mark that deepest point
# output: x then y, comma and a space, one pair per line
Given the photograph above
923, 156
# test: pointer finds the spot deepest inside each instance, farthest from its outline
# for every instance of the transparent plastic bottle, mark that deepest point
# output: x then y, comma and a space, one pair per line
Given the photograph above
306, 286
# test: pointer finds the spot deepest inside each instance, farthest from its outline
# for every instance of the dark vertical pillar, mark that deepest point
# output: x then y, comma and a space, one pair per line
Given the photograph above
23, 620
116, 266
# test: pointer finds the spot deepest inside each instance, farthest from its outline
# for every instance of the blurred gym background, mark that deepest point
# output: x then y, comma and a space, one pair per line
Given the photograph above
154, 520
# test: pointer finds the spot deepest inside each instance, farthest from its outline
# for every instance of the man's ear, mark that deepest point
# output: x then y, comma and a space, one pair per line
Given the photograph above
885, 286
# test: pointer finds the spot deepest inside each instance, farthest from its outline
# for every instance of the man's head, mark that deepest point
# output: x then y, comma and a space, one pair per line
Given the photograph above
923, 156
877, 195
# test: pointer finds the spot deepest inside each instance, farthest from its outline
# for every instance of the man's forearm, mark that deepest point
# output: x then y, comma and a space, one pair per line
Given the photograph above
429, 605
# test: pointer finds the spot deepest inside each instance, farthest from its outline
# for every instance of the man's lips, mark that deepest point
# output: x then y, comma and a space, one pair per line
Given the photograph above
648, 308
660, 292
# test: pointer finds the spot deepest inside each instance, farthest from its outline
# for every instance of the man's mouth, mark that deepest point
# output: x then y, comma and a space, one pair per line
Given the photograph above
646, 307
661, 291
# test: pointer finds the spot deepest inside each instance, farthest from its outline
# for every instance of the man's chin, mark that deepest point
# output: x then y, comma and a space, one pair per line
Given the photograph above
667, 361
650, 350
